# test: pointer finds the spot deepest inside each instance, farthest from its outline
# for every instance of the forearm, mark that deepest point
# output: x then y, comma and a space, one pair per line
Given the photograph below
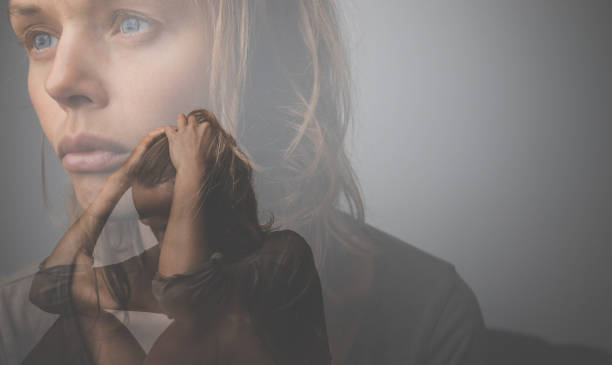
185, 245
70, 261
81, 237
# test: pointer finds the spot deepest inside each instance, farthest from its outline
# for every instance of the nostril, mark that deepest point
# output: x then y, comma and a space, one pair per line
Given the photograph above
78, 100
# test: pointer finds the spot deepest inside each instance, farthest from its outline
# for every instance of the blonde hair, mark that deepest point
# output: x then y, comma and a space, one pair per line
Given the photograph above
280, 81
280, 84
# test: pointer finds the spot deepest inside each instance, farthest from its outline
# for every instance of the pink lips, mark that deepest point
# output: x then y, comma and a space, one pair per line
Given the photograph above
89, 153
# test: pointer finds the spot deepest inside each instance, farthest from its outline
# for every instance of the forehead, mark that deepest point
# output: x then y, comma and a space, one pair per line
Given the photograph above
18, 8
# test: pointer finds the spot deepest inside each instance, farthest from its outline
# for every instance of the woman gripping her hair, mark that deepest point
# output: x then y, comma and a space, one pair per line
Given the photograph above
103, 74
238, 292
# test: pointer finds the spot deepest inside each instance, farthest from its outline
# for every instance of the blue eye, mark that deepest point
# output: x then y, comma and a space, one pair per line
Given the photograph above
133, 25
42, 41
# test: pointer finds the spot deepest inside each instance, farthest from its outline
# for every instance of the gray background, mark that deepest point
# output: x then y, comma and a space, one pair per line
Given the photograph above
483, 136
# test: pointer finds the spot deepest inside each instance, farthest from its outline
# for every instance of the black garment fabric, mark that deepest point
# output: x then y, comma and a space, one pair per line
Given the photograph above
276, 288
51, 289
419, 311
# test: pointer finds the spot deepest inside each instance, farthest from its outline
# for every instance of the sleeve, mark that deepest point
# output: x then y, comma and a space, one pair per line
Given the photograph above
459, 329
203, 290
51, 289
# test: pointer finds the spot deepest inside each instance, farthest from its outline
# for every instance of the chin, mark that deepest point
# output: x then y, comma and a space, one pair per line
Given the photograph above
87, 188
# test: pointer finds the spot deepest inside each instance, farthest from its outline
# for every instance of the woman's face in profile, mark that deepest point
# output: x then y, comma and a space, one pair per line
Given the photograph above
104, 73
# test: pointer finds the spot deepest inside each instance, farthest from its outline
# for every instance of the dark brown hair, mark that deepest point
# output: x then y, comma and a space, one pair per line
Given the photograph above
226, 194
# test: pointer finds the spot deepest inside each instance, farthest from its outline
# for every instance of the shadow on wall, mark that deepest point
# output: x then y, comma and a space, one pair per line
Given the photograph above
511, 348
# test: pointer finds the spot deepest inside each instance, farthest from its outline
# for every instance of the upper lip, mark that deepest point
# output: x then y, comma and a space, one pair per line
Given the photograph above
87, 142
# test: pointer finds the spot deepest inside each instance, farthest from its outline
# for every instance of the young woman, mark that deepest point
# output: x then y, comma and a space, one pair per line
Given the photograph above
103, 74
237, 291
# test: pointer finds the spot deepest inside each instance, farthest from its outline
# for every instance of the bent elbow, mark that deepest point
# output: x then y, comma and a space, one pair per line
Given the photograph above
50, 291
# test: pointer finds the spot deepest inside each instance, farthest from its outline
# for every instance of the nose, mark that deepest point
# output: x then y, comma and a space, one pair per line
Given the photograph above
74, 80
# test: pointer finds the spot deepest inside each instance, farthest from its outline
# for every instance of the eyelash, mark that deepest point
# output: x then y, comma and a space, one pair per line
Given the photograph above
28, 39
118, 17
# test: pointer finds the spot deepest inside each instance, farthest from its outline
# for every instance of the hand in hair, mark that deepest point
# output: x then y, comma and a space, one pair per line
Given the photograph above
126, 173
189, 143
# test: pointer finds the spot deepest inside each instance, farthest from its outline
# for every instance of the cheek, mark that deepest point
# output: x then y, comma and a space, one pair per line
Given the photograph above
159, 83
146, 85
47, 110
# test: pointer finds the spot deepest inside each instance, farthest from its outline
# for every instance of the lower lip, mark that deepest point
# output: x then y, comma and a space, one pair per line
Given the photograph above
93, 161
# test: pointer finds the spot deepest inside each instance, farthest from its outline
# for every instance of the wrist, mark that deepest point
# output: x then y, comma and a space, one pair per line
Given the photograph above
187, 192
119, 180
190, 173
114, 188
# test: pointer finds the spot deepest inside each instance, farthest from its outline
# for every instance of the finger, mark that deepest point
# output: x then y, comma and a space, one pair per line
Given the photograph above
147, 140
204, 124
170, 131
191, 121
181, 121
150, 138
163, 128
157, 131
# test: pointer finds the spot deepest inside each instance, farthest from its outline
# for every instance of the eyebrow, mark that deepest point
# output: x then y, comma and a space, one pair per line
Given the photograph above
28, 10
31, 10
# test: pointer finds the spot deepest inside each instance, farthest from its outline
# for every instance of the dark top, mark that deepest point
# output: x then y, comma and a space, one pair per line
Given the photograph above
276, 288
418, 312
